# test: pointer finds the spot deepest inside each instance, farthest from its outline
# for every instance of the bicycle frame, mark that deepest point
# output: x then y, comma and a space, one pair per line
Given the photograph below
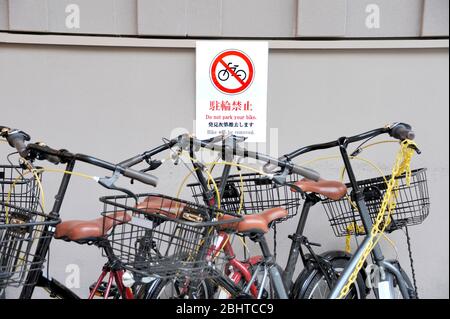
367, 223
282, 280
115, 275
298, 239
390, 267
35, 275
44, 244
239, 269
57, 289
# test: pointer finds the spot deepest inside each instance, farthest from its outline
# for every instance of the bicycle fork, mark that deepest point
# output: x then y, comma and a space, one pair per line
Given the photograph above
367, 223
389, 269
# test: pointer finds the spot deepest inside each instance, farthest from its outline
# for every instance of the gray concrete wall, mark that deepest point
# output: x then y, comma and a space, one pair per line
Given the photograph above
114, 102
230, 18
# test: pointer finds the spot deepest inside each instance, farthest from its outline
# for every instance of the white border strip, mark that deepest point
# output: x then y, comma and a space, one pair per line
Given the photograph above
107, 41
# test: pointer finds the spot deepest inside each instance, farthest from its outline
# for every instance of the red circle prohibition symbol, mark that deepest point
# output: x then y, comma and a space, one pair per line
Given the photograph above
230, 71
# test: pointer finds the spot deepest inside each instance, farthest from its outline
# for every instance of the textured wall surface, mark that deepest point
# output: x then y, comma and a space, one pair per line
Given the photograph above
230, 18
113, 103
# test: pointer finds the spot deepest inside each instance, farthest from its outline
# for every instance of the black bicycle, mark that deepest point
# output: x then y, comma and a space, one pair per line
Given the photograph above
333, 269
375, 206
26, 230
224, 74
352, 204
262, 201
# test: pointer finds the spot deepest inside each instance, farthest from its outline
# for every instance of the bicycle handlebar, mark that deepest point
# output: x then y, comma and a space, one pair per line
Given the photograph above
63, 156
140, 176
399, 131
16, 139
40, 151
306, 172
146, 155
402, 131
185, 140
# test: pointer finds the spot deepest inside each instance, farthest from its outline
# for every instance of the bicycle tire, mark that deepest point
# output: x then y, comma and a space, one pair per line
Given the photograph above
309, 280
226, 76
244, 76
153, 290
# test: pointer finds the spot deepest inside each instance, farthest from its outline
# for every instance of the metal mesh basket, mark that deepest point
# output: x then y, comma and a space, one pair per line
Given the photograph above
259, 194
20, 231
164, 237
18, 189
412, 204
21, 226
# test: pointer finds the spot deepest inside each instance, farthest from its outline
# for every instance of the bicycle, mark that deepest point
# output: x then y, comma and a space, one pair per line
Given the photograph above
340, 273
178, 236
240, 276
320, 270
25, 240
368, 210
21, 224
224, 74
399, 131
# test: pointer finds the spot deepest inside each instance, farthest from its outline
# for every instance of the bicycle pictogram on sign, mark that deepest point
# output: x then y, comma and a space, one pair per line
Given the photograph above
232, 72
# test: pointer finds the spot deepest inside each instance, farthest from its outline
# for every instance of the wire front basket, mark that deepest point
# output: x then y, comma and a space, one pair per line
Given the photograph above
18, 187
253, 193
21, 226
163, 236
412, 204
20, 231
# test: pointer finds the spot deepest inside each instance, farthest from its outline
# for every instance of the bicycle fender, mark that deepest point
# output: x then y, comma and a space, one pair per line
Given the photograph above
302, 283
307, 274
339, 254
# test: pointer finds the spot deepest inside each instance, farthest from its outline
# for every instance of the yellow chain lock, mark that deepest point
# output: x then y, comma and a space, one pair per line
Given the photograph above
401, 166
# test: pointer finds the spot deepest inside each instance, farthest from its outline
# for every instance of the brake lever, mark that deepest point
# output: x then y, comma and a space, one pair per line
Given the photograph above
414, 147
110, 183
297, 189
152, 165
270, 168
359, 150
280, 178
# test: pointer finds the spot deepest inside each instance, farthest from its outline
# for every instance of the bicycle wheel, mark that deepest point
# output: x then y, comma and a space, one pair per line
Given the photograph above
223, 75
175, 288
311, 283
264, 286
242, 74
